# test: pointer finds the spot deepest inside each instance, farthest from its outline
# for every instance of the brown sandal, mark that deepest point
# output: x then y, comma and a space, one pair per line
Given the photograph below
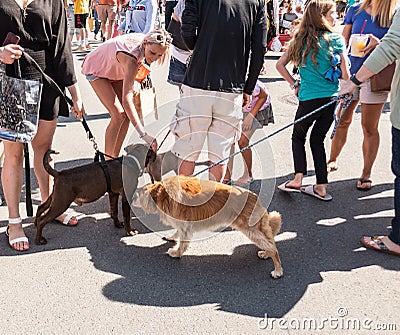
362, 182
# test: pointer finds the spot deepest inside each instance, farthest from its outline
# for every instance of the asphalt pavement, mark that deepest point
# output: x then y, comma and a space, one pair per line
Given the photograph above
91, 279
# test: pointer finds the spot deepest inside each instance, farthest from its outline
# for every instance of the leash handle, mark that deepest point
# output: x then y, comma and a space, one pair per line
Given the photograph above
345, 104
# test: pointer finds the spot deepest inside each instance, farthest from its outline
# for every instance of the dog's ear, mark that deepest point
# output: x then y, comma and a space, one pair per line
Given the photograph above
157, 192
150, 157
129, 148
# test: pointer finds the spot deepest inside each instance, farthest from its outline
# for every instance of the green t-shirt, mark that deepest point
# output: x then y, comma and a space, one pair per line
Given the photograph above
313, 82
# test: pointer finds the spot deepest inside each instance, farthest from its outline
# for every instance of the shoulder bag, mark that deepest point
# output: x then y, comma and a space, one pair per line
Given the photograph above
382, 81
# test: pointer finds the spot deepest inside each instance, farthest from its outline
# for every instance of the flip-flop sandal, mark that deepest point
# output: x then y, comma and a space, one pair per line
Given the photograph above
362, 182
309, 190
288, 189
379, 245
66, 220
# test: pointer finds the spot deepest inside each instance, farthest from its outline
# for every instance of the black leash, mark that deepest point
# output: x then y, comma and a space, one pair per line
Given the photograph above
165, 137
28, 191
345, 97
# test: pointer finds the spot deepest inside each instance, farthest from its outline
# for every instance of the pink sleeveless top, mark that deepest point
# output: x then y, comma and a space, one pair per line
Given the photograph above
102, 62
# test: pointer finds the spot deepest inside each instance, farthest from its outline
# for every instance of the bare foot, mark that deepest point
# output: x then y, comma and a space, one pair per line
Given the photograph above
320, 190
293, 184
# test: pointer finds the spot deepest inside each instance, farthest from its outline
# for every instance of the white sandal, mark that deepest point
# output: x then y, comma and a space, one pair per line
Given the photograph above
12, 221
65, 221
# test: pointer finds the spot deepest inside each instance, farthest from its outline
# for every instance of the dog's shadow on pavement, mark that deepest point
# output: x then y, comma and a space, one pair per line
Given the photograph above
323, 237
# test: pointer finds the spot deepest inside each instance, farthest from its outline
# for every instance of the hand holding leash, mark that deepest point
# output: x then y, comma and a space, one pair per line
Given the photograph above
151, 141
10, 52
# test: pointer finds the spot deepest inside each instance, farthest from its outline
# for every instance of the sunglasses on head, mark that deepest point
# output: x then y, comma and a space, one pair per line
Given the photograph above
166, 39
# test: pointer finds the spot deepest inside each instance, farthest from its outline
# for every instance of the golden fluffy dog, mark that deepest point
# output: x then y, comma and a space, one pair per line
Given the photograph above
192, 205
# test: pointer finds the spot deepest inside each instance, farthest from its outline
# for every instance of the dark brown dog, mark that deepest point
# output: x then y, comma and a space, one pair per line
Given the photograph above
88, 183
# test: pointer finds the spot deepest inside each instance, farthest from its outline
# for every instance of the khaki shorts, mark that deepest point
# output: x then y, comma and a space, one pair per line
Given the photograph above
201, 115
107, 11
366, 96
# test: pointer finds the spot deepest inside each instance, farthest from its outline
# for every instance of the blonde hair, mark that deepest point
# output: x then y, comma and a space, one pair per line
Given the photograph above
382, 11
313, 25
160, 37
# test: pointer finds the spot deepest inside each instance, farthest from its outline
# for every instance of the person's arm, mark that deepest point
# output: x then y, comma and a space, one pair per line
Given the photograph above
121, 28
346, 33
175, 17
60, 48
248, 121
130, 66
151, 15
384, 54
258, 48
344, 66
276, 15
77, 110
283, 71
190, 17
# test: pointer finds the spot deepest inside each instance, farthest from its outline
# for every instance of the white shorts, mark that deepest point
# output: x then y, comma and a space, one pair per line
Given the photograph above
201, 115
366, 96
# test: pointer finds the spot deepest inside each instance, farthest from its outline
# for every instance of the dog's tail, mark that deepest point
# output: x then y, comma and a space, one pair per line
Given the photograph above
275, 222
46, 164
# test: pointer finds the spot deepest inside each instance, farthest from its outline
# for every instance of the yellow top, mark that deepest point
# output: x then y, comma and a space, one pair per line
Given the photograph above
81, 6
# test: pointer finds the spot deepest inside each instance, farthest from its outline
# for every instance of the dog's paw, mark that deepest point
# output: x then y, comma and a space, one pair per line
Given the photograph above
174, 253
132, 233
276, 274
41, 241
262, 254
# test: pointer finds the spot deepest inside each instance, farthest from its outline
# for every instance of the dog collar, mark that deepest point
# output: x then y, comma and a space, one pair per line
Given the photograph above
137, 164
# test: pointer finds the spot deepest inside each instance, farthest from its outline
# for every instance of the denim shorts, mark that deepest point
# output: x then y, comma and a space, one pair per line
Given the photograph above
91, 77
177, 71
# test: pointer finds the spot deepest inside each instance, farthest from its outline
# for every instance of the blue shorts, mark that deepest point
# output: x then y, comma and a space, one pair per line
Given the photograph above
176, 72
91, 77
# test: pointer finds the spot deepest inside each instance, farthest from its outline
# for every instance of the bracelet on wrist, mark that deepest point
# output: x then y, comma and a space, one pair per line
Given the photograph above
295, 84
355, 81
143, 135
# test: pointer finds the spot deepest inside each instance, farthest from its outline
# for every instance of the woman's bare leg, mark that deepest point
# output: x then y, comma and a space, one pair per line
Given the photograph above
340, 138
370, 115
117, 128
11, 178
